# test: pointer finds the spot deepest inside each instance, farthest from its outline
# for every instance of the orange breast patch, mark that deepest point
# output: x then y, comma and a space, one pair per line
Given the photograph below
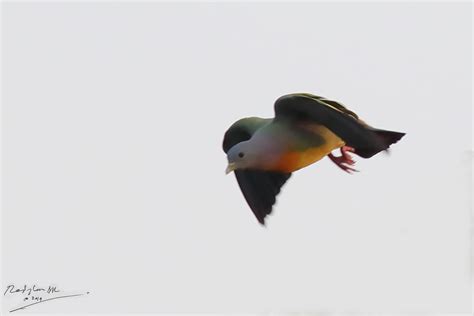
297, 159
289, 162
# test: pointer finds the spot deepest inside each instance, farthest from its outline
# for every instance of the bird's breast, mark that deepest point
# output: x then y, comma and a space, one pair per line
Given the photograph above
303, 151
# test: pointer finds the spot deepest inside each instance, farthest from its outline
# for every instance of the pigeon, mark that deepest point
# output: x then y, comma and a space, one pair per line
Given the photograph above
263, 153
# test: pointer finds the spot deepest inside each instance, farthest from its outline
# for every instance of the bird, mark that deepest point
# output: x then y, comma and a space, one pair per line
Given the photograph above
264, 152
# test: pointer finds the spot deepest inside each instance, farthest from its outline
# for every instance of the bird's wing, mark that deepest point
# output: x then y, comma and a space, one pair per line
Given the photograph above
331, 103
336, 117
259, 188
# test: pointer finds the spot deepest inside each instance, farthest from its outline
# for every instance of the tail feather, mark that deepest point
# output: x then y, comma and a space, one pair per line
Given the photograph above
386, 138
389, 137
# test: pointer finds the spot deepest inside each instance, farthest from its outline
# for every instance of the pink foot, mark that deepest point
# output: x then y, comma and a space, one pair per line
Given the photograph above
345, 160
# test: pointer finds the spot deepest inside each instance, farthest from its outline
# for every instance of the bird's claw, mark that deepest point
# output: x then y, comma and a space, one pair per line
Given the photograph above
344, 161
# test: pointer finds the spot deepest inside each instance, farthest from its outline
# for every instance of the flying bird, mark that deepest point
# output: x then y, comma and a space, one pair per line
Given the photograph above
263, 153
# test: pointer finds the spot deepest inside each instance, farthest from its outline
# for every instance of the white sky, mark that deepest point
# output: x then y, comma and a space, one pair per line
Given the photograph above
113, 173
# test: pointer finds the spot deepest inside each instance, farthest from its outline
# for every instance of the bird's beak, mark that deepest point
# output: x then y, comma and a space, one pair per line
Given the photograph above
230, 167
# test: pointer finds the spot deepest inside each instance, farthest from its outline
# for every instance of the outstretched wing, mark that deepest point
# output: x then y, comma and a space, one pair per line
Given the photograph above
336, 117
259, 188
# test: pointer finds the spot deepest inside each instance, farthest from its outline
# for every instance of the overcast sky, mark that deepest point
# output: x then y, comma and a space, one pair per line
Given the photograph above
113, 172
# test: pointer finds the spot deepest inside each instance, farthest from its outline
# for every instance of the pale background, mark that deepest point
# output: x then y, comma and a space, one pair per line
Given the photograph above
113, 173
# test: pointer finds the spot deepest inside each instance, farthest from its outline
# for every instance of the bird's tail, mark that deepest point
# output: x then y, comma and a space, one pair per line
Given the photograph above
386, 138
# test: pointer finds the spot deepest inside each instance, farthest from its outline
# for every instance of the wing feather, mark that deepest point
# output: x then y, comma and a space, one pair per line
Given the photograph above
336, 117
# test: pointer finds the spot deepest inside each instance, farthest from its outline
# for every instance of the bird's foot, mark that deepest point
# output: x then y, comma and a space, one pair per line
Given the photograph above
344, 161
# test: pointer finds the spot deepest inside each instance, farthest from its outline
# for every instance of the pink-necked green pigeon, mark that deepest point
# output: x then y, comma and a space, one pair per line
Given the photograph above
264, 152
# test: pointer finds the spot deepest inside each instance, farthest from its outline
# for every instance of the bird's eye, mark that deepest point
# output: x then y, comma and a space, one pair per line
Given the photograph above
241, 155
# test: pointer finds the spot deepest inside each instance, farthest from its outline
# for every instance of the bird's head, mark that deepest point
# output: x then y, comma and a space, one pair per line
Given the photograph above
242, 156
